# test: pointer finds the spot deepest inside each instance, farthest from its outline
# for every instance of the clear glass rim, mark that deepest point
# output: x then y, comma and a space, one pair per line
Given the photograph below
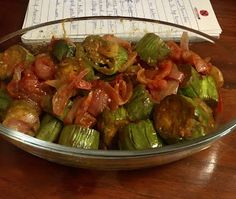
173, 148
24, 30
52, 147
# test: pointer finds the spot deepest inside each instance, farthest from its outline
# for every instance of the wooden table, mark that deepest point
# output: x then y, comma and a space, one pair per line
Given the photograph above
208, 174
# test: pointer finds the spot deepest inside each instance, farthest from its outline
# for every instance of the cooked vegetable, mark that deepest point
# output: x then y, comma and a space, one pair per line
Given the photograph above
151, 49
71, 66
108, 57
196, 85
140, 105
80, 137
108, 124
99, 49
217, 75
12, 57
190, 57
114, 65
44, 67
47, 107
27, 86
5, 101
50, 128
137, 136
179, 118
22, 116
208, 91
67, 90
66, 110
109, 93
84, 62
191, 81
62, 48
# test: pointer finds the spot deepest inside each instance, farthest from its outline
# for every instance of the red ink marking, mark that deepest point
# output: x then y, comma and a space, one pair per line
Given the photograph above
204, 12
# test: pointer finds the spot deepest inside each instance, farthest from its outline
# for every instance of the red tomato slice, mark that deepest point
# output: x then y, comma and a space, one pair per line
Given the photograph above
164, 69
98, 102
155, 78
83, 117
28, 87
113, 101
44, 67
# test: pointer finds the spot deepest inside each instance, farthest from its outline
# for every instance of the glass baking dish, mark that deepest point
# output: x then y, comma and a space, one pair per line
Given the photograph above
131, 29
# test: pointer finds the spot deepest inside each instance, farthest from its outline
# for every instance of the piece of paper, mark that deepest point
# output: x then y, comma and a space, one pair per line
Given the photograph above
195, 14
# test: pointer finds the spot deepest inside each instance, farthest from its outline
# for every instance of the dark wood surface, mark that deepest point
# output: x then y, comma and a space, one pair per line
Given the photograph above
208, 174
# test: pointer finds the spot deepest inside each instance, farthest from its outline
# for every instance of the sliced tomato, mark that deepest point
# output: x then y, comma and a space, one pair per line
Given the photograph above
28, 87
155, 78
164, 69
113, 101
98, 102
44, 67
83, 117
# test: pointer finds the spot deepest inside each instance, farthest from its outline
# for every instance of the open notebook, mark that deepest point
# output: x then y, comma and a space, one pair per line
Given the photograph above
196, 14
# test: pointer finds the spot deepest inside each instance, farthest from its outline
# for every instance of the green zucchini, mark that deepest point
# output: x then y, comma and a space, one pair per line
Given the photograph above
151, 49
50, 128
138, 136
80, 137
140, 105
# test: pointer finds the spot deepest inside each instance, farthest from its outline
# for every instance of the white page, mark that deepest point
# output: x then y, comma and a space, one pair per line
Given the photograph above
183, 12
